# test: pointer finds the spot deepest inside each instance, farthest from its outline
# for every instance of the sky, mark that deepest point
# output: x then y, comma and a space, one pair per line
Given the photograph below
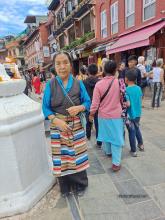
14, 12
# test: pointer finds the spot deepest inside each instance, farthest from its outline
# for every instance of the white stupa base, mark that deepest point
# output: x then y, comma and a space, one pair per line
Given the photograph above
23, 201
25, 174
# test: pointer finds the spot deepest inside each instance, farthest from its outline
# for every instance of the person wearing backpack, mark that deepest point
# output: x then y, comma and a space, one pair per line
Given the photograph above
106, 100
90, 83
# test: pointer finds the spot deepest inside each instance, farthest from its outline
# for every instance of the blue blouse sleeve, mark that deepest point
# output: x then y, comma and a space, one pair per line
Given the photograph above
46, 103
84, 97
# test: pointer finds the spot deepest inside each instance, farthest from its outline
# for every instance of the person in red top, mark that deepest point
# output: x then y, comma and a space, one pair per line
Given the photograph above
36, 83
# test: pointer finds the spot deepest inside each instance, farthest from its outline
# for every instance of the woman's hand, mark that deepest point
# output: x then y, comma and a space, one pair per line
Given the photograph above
91, 117
73, 111
62, 125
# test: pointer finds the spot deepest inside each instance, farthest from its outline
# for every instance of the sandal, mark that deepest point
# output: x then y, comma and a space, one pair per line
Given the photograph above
141, 147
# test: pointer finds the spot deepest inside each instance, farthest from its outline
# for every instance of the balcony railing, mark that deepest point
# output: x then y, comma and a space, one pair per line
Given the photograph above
79, 10
79, 41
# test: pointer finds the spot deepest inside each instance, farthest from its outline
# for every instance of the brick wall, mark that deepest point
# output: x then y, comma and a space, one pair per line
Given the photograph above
105, 5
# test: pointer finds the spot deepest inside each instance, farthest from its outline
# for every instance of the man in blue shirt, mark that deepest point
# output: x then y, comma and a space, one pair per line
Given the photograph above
134, 103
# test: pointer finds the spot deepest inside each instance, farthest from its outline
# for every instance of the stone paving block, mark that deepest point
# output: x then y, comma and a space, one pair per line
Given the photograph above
157, 193
125, 153
54, 214
61, 203
105, 160
123, 174
131, 191
99, 185
115, 216
159, 141
92, 157
107, 204
144, 211
149, 170
161, 218
95, 165
95, 168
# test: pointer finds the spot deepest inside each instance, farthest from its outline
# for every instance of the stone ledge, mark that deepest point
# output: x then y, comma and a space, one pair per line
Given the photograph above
12, 87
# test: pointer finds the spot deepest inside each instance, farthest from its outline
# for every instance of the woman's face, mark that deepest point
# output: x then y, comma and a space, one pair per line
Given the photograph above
122, 66
62, 66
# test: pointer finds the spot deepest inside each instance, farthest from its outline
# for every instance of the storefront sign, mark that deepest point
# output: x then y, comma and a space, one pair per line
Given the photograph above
46, 51
86, 53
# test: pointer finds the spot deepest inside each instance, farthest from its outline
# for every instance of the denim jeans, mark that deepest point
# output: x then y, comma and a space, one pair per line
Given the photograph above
89, 127
156, 94
134, 133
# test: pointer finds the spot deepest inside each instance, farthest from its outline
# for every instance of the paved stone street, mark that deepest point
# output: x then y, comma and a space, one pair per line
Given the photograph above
137, 192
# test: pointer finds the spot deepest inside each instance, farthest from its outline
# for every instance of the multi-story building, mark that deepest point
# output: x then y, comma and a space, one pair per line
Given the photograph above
72, 28
127, 27
52, 41
37, 55
15, 51
3, 51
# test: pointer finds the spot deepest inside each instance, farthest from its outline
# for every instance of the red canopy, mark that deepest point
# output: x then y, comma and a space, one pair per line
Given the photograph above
136, 39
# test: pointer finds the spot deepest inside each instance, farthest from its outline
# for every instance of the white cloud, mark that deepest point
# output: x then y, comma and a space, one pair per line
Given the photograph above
36, 11
14, 12
21, 2
3, 18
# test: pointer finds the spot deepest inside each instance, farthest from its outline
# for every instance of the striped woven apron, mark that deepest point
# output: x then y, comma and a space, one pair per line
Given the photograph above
69, 149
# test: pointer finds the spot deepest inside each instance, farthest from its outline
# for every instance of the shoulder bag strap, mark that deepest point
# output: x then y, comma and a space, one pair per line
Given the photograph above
65, 93
109, 87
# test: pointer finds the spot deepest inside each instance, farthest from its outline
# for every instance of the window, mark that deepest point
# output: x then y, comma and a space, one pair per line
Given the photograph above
149, 7
61, 41
114, 18
103, 24
71, 34
14, 52
129, 13
86, 24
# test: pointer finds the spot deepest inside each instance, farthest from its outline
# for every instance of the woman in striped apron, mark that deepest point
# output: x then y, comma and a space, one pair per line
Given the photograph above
64, 99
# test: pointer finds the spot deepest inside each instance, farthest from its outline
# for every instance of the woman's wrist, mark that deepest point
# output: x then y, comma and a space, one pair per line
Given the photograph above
82, 107
51, 118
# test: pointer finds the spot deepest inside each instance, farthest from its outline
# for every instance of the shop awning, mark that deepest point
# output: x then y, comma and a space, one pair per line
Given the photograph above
99, 48
136, 39
103, 47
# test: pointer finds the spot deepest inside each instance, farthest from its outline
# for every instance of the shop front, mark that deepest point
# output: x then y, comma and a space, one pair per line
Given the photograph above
146, 42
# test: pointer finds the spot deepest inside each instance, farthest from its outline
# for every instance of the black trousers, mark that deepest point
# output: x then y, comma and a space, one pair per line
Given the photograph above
89, 127
69, 182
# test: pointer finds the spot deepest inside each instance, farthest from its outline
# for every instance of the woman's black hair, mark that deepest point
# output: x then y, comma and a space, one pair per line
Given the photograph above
122, 62
131, 75
92, 69
83, 70
110, 68
34, 74
132, 57
52, 70
62, 52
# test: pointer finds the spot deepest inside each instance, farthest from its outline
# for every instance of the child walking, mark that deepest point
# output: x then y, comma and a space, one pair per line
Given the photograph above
134, 103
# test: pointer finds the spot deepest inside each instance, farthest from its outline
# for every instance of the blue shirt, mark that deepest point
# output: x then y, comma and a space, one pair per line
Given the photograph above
134, 96
46, 104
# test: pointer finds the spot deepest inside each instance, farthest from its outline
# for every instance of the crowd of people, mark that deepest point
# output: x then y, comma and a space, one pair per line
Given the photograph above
35, 82
109, 98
